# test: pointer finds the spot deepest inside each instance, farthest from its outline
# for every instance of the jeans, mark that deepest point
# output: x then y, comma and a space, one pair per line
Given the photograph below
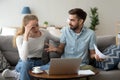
23, 67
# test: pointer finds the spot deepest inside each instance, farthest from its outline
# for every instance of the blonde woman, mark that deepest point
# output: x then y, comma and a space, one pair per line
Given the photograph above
30, 43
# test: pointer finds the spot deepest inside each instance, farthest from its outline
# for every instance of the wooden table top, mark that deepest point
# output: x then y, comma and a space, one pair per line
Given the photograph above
44, 75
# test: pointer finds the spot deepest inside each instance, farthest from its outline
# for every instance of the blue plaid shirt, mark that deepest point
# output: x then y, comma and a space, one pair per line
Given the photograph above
78, 45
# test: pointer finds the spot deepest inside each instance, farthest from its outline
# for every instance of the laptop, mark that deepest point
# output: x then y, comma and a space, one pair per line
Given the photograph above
64, 66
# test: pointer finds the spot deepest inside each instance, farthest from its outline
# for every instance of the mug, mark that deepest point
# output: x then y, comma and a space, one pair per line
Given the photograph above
36, 69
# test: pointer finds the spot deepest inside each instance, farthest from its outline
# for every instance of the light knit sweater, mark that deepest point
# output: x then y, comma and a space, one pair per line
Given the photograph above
34, 46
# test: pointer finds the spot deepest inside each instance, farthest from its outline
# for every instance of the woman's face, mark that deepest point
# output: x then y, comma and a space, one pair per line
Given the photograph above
35, 26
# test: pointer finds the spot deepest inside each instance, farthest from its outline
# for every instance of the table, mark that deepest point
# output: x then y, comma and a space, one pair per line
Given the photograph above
44, 75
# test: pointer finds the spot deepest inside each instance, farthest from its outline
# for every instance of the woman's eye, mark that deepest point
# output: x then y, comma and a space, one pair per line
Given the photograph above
33, 27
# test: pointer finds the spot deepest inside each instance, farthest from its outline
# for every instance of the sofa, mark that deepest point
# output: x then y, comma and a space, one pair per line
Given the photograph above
11, 55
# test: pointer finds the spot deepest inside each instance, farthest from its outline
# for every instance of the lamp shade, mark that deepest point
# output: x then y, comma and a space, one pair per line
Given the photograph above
26, 10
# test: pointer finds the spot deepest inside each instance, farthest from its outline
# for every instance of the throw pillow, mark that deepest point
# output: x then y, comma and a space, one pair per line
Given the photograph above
3, 62
113, 52
8, 31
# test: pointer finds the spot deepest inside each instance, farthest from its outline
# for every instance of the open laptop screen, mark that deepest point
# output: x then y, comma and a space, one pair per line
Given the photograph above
64, 66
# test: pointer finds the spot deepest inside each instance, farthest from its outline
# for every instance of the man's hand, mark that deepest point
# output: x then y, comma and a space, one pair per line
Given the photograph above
93, 55
50, 48
98, 58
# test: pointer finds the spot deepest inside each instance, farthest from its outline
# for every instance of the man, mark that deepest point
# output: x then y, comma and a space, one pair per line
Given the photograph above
77, 41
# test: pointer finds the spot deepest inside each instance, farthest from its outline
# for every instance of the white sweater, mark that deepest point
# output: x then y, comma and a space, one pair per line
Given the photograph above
34, 46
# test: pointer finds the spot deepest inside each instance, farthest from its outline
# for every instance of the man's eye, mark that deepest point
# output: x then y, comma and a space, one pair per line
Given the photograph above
37, 25
72, 20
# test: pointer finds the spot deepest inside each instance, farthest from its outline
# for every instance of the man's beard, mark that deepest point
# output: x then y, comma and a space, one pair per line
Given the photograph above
74, 28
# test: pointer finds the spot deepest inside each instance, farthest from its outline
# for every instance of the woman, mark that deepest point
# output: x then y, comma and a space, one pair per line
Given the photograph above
30, 43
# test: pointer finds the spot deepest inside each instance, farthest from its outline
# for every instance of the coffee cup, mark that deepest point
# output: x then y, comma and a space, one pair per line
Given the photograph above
36, 69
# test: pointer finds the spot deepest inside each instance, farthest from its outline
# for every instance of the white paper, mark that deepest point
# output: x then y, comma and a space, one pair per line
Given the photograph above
85, 72
118, 35
101, 55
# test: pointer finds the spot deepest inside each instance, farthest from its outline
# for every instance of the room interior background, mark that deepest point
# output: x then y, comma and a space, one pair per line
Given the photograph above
56, 12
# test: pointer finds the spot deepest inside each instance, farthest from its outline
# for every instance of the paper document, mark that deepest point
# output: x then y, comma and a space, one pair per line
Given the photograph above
101, 55
86, 72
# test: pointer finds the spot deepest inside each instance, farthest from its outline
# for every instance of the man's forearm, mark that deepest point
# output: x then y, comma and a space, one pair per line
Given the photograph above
92, 54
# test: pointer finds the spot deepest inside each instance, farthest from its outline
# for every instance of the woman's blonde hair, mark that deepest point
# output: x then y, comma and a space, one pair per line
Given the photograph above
21, 30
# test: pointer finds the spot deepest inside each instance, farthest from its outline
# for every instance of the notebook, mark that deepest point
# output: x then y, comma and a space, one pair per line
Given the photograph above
64, 66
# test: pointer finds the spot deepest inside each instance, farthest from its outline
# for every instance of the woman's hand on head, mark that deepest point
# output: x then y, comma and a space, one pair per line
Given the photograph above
28, 27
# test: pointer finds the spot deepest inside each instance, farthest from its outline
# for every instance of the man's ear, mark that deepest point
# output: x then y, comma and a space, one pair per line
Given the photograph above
81, 21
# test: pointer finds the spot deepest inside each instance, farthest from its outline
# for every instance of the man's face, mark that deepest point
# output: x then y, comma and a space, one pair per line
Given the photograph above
73, 22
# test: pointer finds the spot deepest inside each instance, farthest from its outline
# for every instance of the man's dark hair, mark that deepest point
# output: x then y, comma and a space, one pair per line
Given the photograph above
79, 12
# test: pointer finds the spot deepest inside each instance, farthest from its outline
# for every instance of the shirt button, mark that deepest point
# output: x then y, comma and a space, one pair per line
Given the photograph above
72, 48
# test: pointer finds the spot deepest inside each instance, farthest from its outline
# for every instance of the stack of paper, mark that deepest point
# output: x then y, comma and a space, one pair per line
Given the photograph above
86, 72
101, 55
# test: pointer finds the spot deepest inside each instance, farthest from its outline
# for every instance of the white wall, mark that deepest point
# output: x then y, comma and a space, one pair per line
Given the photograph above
56, 12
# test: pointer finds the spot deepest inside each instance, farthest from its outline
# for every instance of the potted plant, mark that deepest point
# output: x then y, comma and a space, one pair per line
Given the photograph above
45, 24
94, 18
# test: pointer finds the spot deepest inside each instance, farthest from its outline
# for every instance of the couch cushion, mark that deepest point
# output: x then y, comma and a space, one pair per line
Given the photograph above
6, 43
105, 41
3, 62
107, 75
12, 57
7, 49
114, 56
